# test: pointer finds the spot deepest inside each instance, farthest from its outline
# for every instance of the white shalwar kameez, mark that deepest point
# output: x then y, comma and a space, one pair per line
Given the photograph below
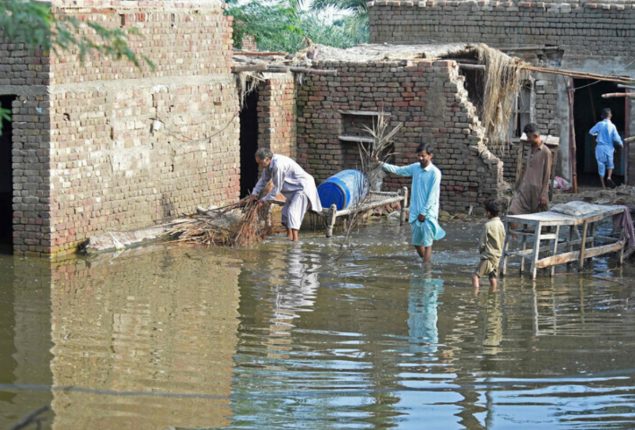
295, 184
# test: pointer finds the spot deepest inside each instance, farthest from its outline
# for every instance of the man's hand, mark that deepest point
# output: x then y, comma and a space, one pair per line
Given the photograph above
252, 198
544, 201
421, 218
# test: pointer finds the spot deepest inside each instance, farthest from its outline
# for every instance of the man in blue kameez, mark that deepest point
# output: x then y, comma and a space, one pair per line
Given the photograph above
606, 136
424, 200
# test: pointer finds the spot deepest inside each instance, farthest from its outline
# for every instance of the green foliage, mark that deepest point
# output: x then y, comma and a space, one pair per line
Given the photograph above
285, 25
357, 6
34, 24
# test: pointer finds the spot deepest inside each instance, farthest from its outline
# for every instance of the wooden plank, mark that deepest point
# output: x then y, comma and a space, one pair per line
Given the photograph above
604, 249
368, 206
356, 139
505, 249
563, 258
363, 113
585, 229
554, 218
554, 251
534, 258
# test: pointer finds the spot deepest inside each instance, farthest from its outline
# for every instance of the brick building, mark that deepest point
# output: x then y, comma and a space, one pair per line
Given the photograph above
104, 145
584, 35
417, 86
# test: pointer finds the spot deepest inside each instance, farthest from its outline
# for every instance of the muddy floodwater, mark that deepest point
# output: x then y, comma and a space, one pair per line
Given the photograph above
305, 336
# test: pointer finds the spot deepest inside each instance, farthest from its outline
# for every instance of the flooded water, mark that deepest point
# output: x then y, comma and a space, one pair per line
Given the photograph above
306, 336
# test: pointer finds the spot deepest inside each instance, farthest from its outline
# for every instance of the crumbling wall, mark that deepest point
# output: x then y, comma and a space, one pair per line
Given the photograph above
276, 113
105, 145
428, 97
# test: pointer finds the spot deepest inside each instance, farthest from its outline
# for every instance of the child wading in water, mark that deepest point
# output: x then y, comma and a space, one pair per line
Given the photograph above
491, 246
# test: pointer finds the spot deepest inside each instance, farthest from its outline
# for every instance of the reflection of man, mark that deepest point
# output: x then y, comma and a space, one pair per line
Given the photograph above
533, 192
606, 135
423, 302
296, 185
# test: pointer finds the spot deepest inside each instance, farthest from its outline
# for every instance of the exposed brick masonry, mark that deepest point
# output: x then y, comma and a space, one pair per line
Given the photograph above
117, 147
431, 102
585, 29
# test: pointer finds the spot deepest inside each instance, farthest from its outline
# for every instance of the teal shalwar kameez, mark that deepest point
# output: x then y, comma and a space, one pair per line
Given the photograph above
424, 199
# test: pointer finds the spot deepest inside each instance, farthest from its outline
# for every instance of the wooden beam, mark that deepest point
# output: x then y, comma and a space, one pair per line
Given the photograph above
578, 74
466, 66
554, 260
617, 95
604, 249
281, 69
260, 53
249, 68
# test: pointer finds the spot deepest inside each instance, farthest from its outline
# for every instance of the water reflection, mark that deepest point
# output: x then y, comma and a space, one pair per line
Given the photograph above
423, 302
305, 336
145, 343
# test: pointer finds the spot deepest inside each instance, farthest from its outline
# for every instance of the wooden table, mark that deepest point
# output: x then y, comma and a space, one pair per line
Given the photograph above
576, 249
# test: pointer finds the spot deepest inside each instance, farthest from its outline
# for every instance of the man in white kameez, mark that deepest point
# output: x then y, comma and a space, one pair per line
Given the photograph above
293, 182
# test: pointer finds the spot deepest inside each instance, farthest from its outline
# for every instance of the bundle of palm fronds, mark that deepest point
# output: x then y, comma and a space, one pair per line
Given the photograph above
378, 150
504, 77
238, 224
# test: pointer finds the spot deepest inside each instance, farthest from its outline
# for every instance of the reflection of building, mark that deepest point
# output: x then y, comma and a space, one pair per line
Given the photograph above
144, 342
24, 340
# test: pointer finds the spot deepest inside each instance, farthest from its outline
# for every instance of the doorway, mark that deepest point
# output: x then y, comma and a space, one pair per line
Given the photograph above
6, 178
248, 143
587, 106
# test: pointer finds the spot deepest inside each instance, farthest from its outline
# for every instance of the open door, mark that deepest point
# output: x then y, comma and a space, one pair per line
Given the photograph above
6, 179
587, 106
248, 143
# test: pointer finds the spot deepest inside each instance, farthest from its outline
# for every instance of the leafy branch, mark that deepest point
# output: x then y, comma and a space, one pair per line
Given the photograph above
34, 24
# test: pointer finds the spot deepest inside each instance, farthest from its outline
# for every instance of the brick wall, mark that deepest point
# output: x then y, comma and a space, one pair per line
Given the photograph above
586, 30
122, 147
276, 113
24, 73
431, 102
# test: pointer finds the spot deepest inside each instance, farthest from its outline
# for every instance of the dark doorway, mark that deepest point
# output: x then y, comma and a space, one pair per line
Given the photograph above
587, 106
6, 179
248, 143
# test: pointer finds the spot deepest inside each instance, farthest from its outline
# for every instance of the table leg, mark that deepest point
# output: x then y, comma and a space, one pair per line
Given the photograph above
554, 250
523, 246
404, 205
534, 257
585, 229
330, 223
571, 235
505, 249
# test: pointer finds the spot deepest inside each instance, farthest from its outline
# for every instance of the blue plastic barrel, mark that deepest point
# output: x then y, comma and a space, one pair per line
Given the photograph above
344, 189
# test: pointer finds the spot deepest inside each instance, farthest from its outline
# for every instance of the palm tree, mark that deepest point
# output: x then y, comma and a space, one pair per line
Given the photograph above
355, 20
